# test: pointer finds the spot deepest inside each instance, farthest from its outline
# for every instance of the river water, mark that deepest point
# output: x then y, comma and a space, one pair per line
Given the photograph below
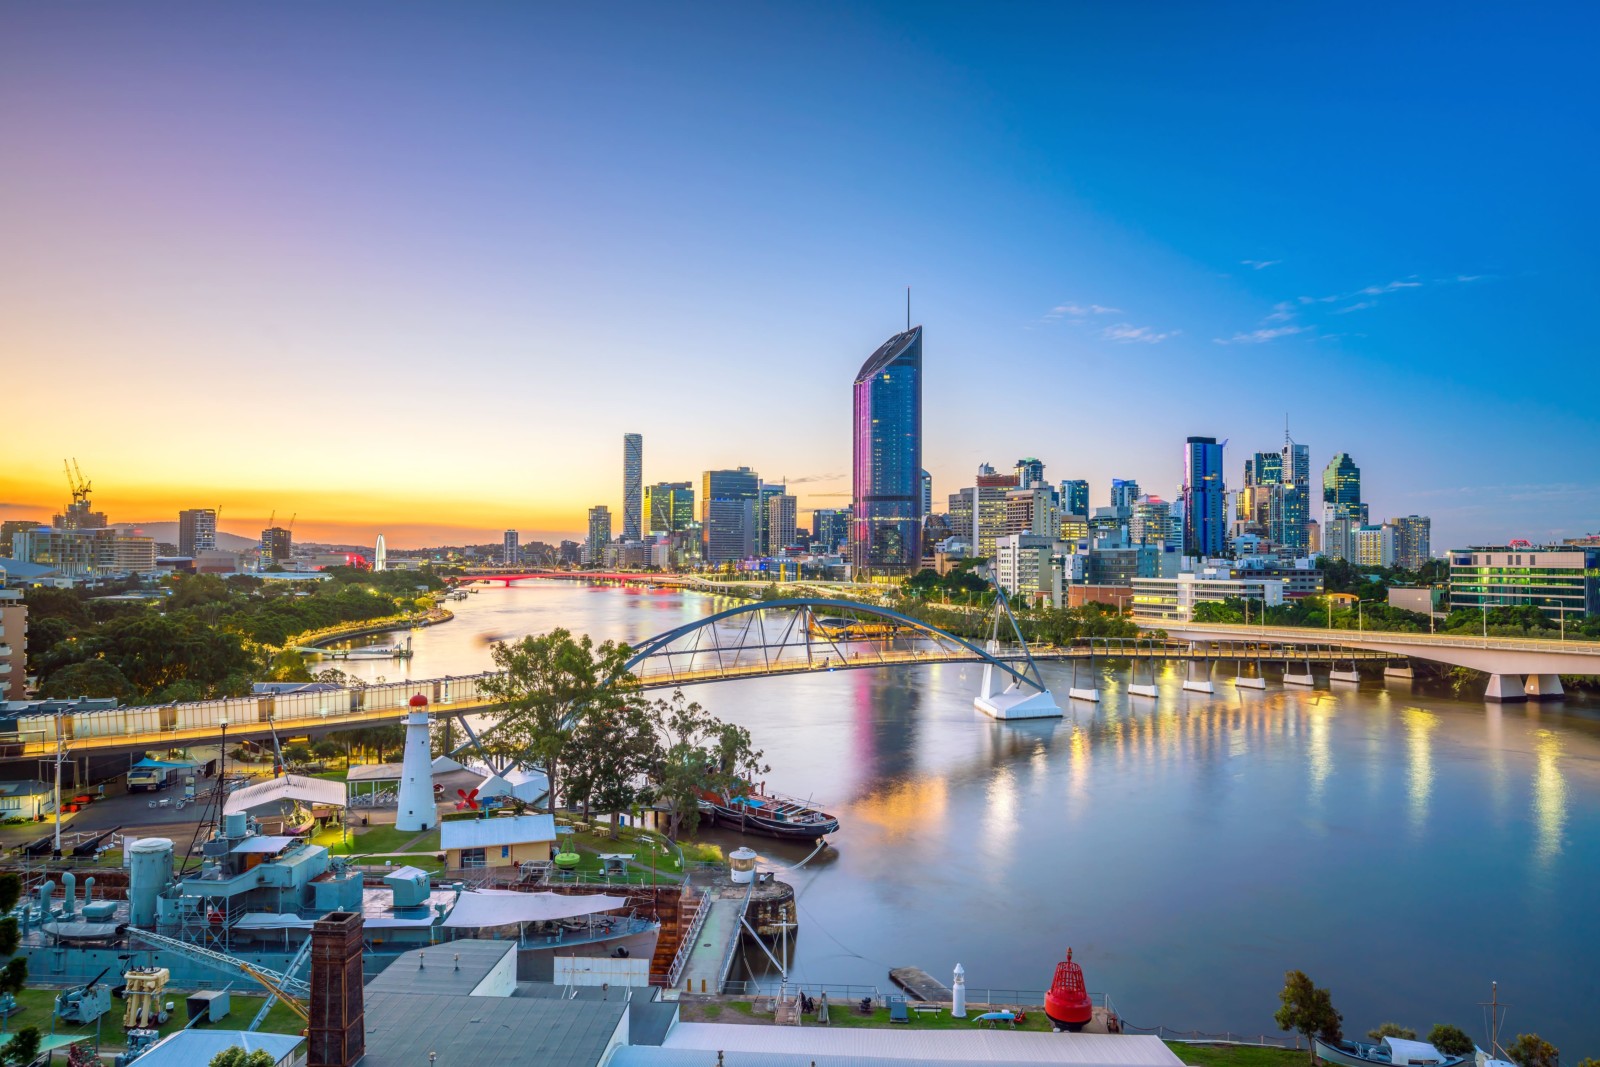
1403, 849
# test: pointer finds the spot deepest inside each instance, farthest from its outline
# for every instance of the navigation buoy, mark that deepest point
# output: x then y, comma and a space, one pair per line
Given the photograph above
1067, 1004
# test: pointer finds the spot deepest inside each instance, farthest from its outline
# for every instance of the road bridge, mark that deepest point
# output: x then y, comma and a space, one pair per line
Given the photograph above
1519, 668
752, 640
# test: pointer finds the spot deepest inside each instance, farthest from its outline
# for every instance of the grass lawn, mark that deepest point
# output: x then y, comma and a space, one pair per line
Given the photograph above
1239, 1056
38, 1010
845, 1014
371, 840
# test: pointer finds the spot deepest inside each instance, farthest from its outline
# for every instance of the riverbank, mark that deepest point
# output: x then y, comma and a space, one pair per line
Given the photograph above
365, 627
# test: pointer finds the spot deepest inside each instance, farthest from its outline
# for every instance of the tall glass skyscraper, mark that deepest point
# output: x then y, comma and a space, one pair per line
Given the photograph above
728, 523
1204, 498
1075, 496
632, 485
886, 531
1341, 490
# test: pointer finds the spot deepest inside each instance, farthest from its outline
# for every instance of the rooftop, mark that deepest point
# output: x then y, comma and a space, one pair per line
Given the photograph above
454, 968
891, 350
502, 830
404, 1029
764, 1044
189, 1047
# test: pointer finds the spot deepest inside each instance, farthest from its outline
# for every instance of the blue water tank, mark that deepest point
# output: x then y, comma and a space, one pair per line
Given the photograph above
149, 863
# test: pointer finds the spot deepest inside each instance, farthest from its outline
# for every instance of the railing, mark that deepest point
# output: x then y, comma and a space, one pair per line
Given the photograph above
1302, 634
686, 946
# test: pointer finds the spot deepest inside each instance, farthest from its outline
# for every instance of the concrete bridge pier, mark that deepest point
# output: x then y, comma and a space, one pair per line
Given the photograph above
1505, 689
1089, 692
1543, 687
1248, 681
1143, 689
1398, 670
1353, 676
1305, 677
1198, 685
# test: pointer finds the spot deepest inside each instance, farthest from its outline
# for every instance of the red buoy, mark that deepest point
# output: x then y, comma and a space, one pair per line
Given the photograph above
1067, 1004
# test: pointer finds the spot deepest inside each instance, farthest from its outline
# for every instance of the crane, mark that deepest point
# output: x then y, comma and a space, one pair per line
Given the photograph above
75, 483
292, 991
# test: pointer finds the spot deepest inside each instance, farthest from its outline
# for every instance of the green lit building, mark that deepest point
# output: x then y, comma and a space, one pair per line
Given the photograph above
668, 507
1557, 579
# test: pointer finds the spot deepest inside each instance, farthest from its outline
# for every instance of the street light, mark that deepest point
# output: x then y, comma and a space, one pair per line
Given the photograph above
1359, 618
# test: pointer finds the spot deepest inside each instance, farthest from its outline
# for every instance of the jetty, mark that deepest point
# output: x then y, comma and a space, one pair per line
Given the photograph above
763, 907
920, 985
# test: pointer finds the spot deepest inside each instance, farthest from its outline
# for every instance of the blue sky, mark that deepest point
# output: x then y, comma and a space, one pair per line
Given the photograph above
524, 231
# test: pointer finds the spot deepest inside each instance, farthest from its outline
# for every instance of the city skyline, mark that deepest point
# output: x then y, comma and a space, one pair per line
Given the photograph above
184, 231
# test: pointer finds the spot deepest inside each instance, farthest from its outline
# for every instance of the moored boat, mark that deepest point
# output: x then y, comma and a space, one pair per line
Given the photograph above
771, 814
1391, 1050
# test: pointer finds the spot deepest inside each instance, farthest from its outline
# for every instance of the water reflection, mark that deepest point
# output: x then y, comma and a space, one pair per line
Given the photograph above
1549, 796
1319, 754
1419, 726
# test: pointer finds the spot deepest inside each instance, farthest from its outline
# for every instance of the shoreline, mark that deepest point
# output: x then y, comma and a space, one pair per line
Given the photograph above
374, 626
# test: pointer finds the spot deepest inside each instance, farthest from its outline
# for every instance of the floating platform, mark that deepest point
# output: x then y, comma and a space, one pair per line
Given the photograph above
920, 985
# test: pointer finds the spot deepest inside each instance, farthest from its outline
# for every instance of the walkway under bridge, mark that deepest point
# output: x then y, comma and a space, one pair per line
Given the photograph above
753, 640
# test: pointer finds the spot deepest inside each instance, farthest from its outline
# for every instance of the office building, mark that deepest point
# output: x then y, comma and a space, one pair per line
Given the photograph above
927, 495
197, 531
961, 513
632, 485
1173, 600
989, 509
85, 554
510, 552
1150, 521
1412, 541
781, 524
599, 534
830, 527
728, 520
1372, 546
1031, 510
277, 545
1074, 497
886, 468
768, 541
1124, 491
1204, 497
1023, 567
1560, 580
1029, 472
1341, 491
668, 507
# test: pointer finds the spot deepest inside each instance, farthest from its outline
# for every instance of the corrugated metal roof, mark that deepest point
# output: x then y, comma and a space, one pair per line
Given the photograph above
481, 833
403, 1028
186, 1048
436, 969
928, 1046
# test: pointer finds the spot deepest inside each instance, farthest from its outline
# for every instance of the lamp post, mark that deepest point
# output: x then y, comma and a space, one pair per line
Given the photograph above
1360, 622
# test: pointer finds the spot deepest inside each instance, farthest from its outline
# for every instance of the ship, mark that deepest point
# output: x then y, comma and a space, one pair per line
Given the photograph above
770, 814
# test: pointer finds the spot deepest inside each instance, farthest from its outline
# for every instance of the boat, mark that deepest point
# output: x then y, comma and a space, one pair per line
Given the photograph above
771, 814
1067, 1004
1390, 1050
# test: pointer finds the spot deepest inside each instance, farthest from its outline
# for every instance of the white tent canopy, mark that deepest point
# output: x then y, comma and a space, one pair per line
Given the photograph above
289, 787
502, 907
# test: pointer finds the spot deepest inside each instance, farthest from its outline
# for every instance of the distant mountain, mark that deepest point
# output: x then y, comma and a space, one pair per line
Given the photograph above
168, 531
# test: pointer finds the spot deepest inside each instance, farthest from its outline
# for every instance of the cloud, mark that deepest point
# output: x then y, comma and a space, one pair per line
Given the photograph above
1080, 311
1127, 333
1360, 305
1282, 311
804, 479
1379, 290
1260, 264
1260, 337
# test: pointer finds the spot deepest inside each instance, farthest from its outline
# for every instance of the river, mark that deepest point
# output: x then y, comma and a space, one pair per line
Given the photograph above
1402, 848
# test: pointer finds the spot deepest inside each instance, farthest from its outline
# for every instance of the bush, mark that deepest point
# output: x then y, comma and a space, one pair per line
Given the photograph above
1450, 1040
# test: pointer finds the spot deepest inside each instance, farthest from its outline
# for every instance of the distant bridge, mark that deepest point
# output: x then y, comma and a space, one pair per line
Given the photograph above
751, 640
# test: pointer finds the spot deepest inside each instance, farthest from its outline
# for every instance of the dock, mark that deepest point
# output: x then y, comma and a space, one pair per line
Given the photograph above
728, 910
920, 985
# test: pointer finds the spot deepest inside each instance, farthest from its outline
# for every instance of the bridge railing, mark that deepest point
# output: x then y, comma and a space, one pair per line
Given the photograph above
1303, 634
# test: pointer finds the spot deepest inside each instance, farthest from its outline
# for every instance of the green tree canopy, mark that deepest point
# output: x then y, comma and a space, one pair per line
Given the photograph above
1307, 1009
1451, 1040
238, 1057
1384, 1030
1531, 1050
23, 1048
91, 678
699, 752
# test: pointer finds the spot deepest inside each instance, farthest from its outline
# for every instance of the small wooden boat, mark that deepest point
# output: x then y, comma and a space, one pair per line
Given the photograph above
768, 813
1396, 1051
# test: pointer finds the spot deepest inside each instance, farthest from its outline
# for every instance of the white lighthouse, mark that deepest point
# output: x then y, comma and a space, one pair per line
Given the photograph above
417, 810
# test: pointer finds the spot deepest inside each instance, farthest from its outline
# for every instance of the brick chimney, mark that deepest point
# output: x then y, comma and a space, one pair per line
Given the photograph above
338, 1034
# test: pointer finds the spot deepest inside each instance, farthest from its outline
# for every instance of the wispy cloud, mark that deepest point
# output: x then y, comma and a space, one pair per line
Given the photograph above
1260, 264
1079, 312
1281, 312
1360, 305
1261, 336
805, 478
1127, 333
1392, 287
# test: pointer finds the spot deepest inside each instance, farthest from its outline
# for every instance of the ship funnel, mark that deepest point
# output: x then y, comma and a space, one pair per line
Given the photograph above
69, 888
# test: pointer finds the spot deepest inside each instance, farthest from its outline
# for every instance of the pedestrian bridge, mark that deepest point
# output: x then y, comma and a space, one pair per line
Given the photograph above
1519, 667
752, 640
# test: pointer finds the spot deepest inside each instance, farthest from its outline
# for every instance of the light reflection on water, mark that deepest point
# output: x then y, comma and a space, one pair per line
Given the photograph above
1191, 848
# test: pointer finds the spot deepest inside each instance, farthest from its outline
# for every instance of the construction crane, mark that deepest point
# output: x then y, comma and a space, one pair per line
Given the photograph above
75, 482
292, 991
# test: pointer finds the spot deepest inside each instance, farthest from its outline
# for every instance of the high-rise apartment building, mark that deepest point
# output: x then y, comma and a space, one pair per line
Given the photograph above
599, 534
510, 551
1150, 522
729, 523
1029, 472
197, 531
632, 485
1413, 535
1372, 546
1204, 498
277, 545
1124, 491
1075, 497
886, 468
668, 507
780, 527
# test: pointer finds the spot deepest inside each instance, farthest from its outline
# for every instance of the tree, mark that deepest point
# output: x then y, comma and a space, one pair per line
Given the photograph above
91, 678
1392, 1030
548, 682
325, 748
699, 752
1531, 1050
1308, 1010
15, 973
289, 666
1450, 1040
610, 753
238, 1057
23, 1048
297, 753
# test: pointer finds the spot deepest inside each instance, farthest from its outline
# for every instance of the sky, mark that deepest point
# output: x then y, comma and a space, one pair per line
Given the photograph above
416, 268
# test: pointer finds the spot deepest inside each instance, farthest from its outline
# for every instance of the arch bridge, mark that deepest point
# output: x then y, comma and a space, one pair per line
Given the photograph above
756, 639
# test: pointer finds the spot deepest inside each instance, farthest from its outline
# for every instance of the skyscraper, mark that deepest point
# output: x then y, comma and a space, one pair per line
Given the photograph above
728, 520
1124, 491
668, 507
1204, 498
764, 534
780, 525
1030, 472
1341, 491
197, 531
1075, 497
632, 484
887, 463
276, 545
989, 509
510, 554
927, 494
1413, 536
829, 528
599, 533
